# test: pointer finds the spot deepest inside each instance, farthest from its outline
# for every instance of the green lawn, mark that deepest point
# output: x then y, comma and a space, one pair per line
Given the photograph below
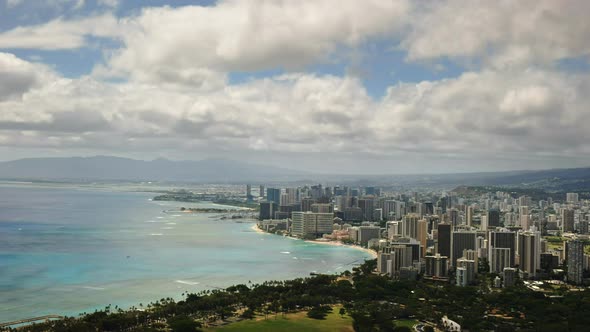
406, 322
292, 322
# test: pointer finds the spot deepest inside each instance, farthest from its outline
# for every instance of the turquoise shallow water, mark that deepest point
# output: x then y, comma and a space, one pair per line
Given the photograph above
70, 250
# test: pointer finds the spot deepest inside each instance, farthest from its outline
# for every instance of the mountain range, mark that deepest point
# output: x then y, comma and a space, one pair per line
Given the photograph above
119, 169
108, 168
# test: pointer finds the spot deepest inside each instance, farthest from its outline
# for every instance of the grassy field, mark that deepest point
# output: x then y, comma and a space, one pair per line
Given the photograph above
406, 322
300, 322
292, 322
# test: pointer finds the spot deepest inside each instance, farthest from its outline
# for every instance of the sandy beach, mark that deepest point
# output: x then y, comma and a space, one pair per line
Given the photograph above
330, 243
338, 243
258, 230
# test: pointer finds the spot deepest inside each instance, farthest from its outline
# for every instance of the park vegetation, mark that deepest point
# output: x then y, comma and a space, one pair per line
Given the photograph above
374, 302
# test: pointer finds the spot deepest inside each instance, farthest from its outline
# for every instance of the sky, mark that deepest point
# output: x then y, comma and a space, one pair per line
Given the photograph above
343, 86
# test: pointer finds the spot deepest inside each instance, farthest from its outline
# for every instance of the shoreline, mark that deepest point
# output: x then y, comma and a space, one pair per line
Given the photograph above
330, 243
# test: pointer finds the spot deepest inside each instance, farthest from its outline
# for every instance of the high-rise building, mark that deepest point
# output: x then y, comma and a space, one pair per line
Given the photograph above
292, 195
367, 206
510, 275
352, 214
367, 233
583, 226
394, 230
317, 191
436, 266
249, 193
273, 195
575, 261
461, 240
311, 224
469, 215
444, 240
529, 251
322, 208
410, 225
261, 191
267, 210
284, 200
306, 204
428, 208
567, 220
454, 216
422, 235
493, 218
524, 201
523, 217
398, 256
499, 258
400, 209
502, 239
572, 197
389, 209
483, 223
465, 272
343, 202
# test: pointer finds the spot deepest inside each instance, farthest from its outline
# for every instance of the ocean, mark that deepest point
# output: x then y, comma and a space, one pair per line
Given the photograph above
70, 249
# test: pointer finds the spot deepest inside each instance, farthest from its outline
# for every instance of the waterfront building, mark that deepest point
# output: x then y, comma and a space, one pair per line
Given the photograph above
367, 233
306, 224
267, 210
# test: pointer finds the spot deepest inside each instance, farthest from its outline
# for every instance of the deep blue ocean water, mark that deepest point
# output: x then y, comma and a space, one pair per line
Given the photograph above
66, 250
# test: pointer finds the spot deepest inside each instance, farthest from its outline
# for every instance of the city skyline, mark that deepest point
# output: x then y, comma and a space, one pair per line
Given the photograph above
429, 87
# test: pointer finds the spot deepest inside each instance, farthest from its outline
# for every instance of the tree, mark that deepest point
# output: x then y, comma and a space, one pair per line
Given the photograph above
248, 314
183, 324
342, 312
319, 312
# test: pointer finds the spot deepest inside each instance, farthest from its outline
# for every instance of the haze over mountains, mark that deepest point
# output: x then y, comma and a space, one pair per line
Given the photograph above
105, 168
117, 168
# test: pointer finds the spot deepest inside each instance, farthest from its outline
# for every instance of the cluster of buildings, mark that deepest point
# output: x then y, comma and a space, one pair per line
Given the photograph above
441, 235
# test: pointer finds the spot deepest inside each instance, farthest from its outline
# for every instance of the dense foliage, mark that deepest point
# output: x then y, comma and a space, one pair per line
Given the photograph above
374, 302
